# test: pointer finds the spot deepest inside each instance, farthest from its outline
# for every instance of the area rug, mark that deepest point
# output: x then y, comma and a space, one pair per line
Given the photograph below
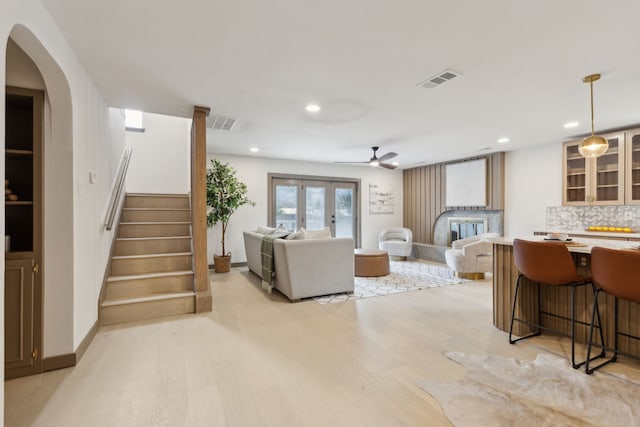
405, 276
499, 391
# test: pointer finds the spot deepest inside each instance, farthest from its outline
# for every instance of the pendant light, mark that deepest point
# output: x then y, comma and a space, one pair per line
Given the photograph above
594, 145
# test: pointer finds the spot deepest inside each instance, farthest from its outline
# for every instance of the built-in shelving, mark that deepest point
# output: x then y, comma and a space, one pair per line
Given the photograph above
18, 203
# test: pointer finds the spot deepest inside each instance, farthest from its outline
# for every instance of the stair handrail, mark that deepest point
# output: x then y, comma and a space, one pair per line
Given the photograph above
116, 192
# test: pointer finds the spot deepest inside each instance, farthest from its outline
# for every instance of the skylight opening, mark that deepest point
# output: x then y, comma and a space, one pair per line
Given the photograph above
133, 120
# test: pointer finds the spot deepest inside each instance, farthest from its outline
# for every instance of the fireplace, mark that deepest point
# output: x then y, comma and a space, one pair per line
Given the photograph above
461, 228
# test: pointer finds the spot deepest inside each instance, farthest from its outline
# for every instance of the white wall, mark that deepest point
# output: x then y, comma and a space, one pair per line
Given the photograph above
253, 172
160, 162
21, 71
533, 181
81, 135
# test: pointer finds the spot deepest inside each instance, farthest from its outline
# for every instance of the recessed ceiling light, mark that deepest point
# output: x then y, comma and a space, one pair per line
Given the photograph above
571, 124
503, 140
312, 108
254, 149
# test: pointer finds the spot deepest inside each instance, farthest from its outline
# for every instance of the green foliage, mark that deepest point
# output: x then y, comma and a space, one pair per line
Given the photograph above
225, 194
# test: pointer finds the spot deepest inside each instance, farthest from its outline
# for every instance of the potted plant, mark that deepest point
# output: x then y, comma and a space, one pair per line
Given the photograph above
225, 194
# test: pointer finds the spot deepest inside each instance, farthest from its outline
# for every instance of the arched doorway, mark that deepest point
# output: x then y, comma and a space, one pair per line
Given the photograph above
31, 67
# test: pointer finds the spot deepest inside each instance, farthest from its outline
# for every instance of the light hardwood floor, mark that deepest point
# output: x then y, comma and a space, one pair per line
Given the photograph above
258, 360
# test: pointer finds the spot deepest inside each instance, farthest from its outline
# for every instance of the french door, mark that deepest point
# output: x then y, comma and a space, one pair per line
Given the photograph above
315, 204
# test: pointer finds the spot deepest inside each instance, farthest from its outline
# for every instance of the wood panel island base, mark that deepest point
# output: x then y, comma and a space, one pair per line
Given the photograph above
556, 299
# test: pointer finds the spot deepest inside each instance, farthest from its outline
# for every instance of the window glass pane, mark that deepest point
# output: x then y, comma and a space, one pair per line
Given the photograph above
133, 119
287, 206
315, 208
344, 212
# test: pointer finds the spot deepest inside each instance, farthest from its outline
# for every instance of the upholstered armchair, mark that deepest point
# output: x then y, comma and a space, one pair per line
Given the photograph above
472, 257
397, 241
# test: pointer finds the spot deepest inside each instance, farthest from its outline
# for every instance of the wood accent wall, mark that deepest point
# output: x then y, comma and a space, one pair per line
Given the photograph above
424, 194
199, 208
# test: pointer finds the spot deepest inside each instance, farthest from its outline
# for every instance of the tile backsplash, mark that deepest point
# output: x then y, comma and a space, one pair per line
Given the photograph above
580, 217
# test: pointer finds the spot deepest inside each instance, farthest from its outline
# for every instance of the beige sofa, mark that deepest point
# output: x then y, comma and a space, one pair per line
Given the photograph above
306, 268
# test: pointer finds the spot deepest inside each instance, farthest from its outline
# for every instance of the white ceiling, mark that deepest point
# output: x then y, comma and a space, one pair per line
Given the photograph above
361, 60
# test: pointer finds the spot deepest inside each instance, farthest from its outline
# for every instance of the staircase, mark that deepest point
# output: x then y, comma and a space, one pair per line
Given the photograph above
151, 267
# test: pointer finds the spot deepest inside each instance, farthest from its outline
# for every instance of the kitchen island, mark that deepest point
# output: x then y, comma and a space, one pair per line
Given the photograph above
556, 299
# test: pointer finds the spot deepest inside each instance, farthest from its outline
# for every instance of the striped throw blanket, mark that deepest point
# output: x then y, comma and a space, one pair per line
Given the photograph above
266, 252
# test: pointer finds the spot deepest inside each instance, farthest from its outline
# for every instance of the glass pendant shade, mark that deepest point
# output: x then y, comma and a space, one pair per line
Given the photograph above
593, 146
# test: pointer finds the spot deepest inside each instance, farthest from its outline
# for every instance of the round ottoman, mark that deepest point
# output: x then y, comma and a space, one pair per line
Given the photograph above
371, 263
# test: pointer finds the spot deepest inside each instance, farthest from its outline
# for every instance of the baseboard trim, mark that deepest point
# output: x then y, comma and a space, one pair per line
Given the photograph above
58, 362
70, 359
84, 344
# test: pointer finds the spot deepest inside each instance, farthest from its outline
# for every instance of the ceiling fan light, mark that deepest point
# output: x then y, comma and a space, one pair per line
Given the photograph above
374, 163
593, 146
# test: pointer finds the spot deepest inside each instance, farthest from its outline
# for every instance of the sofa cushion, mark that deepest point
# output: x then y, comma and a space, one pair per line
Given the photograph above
324, 233
265, 230
294, 236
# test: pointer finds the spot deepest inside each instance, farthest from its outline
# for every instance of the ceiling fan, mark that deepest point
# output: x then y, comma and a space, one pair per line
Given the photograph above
379, 161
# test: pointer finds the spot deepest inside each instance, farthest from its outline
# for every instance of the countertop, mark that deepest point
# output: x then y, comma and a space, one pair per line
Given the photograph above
594, 234
585, 244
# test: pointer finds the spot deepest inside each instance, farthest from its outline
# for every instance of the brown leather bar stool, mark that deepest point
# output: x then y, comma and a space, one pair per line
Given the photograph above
615, 272
547, 263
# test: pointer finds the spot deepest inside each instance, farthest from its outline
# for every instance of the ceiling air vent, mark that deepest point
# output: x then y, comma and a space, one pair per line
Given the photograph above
219, 122
440, 78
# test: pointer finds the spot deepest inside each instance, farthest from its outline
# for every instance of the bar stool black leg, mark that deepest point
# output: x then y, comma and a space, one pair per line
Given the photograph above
603, 352
513, 314
513, 308
596, 312
573, 329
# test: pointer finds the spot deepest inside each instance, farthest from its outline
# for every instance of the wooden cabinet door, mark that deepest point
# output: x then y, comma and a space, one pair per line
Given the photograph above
632, 183
21, 342
576, 173
608, 173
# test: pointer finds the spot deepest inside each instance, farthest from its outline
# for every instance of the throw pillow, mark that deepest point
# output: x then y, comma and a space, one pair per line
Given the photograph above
294, 236
324, 233
265, 230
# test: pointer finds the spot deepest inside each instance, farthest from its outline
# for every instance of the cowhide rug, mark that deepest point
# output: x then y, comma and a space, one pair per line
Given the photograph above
499, 391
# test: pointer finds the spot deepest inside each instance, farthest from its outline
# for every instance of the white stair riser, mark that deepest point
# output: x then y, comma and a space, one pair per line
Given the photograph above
153, 230
123, 267
173, 202
155, 216
153, 246
136, 288
147, 310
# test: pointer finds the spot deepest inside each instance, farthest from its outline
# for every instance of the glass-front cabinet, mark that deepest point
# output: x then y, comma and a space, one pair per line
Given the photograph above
632, 195
575, 175
598, 181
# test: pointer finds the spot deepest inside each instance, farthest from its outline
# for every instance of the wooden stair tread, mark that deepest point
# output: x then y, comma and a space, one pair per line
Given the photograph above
156, 209
131, 239
157, 223
143, 276
156, 195
150, 298
149, 256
